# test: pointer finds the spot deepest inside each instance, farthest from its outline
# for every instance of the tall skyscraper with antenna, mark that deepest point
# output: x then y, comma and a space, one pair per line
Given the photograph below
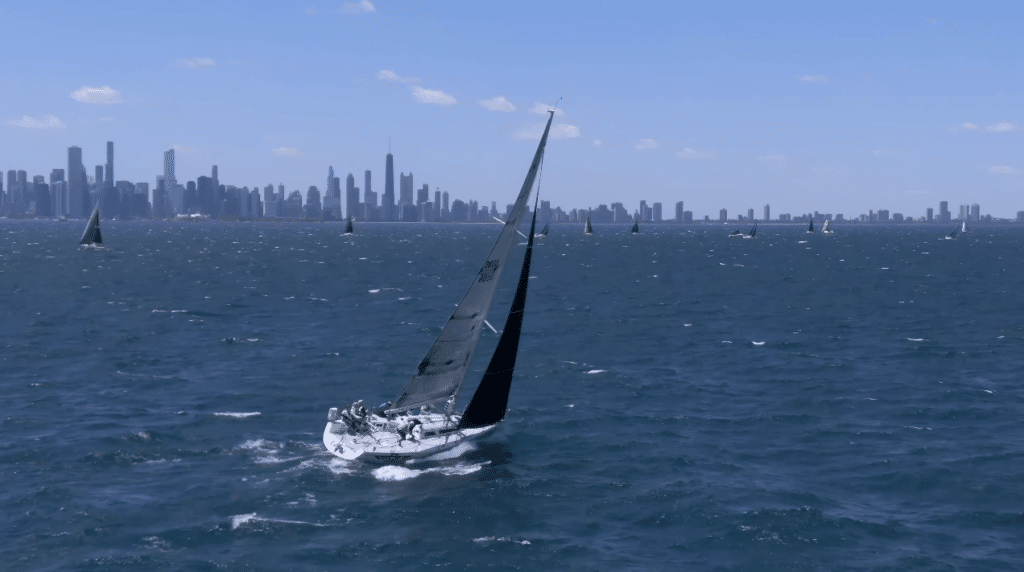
388, 200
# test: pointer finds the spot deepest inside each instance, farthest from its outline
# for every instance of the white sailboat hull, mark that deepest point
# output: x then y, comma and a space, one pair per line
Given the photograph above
383, 443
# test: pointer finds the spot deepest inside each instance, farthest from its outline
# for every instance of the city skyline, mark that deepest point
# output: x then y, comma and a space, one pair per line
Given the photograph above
833, 108
75, 197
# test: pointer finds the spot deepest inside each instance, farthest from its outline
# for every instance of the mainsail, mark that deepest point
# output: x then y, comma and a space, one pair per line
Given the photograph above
636, 226
588, 229
92, 229
442, 371
348, 226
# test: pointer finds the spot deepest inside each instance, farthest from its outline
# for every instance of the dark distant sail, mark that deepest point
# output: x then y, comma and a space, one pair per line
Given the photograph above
588, 229
544, 231
348, 226
92, 229
753, 230
811, 228
636, 226
490, 401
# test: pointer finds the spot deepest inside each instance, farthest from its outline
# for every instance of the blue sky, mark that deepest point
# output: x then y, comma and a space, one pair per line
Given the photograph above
732, 105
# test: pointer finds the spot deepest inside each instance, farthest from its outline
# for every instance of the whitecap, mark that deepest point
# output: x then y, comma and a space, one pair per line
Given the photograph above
395, 473
726, 342
489, 539
801, 242
916, 339
244, 519
758, 343
593, 371
375, 290
237, 415
687, 325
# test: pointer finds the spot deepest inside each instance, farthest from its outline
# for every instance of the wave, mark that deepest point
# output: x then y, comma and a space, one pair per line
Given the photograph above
237, 415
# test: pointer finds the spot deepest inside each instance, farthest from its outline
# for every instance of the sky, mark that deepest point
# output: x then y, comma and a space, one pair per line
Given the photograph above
734, 105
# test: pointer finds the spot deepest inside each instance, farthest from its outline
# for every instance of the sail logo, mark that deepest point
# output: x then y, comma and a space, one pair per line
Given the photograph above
488, 270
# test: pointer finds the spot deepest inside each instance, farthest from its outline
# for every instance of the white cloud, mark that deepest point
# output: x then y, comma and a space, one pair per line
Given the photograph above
543, 108
498, 104
645, 144
388, 75
558, 131
1004, 126
47, 122
185, 150
437, 97
812, 78
98, 95
198, 63
1004, 170
286, 152
691, 153
771, 159
598, 143
363, 7
970, 127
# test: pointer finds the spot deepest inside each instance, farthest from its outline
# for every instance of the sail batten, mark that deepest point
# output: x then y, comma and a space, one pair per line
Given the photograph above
443, 369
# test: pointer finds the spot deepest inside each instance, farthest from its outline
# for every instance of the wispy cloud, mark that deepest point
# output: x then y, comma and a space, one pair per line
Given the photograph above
970, 127
1003, 170
195, 63
436, 97
543, 108
598, 143
691, 153
558, 131
286, 152
771, 159
97, 95
812, 78
388, 75
364, 7
184, 150
47, 122
106, 119
498, 104
1004, 126
645, 144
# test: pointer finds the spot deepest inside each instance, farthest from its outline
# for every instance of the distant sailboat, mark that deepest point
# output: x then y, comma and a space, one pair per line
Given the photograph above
588, 230
736, 233
91, 238
963, 226
636, 226
349, 231
395, 432
952, 234
810, 229
827, 227
752, 233
543, 232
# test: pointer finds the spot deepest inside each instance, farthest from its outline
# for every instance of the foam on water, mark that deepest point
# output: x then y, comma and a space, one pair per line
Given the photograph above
236, 415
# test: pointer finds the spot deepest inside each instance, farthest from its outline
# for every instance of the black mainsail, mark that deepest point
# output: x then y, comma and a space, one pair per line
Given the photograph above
636, 226
348, 226
588, 229
441, 373
811, 228
92, 229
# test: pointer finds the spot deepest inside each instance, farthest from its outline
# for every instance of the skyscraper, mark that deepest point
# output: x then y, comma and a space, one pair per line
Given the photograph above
78, 194
388, 200
351, 197
750, 214
767, 213
169, 178
108, 177
405, 188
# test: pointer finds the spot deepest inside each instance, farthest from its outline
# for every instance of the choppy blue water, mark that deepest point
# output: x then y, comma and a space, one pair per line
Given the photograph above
683, 400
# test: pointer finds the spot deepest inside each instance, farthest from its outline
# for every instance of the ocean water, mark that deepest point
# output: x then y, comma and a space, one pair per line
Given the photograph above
683, 400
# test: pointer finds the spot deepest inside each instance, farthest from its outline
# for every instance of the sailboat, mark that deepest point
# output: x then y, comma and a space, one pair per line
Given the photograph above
395, 432
91, 238
588, 230
543, 232
827, 227
952, 234
349, 231
963, 226
636, 226
753, 231
810, 229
